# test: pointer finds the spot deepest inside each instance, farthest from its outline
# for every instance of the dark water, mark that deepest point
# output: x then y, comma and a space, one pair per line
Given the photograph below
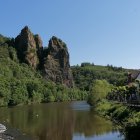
57, 121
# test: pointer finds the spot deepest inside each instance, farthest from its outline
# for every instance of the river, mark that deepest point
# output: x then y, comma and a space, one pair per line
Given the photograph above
57, 121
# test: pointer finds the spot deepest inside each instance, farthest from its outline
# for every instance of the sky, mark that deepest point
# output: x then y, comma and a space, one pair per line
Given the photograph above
96, 31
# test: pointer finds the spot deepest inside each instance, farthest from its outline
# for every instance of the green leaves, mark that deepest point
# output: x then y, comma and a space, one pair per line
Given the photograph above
87, 73
21, 84
99, 90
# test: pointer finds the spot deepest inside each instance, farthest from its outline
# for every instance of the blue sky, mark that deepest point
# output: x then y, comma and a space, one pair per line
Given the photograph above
99, 31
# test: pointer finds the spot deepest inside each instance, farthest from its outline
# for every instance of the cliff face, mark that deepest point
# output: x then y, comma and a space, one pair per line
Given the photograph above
26, 47
39, 49
53, 61
56, 63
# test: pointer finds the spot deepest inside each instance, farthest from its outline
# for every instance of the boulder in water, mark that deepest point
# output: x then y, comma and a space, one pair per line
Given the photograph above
2, 128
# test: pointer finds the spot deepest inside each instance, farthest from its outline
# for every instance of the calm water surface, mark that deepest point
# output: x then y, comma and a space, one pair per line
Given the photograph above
57, 121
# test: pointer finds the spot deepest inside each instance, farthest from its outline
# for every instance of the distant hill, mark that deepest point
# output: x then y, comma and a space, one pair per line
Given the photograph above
85, 74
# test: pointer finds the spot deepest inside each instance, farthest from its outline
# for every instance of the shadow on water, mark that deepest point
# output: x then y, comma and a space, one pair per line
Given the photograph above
57, 121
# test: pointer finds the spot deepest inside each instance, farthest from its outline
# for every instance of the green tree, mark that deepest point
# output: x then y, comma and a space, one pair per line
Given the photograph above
98, 91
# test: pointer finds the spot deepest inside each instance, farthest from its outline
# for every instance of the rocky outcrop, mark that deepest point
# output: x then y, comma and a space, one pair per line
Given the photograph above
2, 128
26, 47
53, 61
39, 49
56, 63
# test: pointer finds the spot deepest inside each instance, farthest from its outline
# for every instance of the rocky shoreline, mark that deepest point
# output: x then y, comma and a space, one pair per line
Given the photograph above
3, 135
14, 134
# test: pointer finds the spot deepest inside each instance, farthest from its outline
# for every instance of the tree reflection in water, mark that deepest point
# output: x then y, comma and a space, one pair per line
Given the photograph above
56, 121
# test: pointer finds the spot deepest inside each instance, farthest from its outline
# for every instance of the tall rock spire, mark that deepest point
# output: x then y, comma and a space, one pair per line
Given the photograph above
26, 46
53, 61
56, 66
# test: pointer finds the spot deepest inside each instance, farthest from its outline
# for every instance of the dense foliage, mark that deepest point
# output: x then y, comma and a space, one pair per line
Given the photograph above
87, 73
127, 117
98, 80
124, 94
21, 84
99, 90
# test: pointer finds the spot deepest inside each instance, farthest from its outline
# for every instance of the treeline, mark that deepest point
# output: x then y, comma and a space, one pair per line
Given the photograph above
21, 84
87, 73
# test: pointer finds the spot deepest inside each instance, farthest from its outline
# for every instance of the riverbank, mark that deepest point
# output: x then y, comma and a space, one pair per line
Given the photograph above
127, 118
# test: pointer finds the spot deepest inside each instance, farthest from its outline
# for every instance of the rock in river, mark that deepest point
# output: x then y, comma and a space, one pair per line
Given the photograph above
2, 128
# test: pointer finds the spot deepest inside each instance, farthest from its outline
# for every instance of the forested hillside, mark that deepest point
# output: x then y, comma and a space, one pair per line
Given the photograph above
87, 73
22, 84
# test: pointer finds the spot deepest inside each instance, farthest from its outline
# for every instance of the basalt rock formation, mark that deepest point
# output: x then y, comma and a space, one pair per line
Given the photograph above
53, 61
26, 47
39, 49
56, 63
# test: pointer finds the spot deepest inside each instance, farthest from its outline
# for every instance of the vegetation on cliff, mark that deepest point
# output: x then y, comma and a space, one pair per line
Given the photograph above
52, 61
22, 79
20, 84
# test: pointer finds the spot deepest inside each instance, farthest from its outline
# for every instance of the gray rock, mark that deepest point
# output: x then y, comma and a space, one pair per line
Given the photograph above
2, 128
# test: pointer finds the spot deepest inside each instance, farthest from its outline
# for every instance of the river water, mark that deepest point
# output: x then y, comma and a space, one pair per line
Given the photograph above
57, 121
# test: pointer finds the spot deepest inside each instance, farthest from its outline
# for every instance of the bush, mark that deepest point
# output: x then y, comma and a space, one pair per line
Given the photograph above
98, 91
121, 113
50, 98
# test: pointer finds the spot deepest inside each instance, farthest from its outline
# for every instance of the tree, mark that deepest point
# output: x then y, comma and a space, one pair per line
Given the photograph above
98, 91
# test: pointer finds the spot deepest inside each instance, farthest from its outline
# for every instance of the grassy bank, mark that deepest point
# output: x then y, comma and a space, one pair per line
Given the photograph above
127, 117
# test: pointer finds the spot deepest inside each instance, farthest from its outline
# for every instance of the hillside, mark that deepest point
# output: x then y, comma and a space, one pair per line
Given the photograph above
87, 73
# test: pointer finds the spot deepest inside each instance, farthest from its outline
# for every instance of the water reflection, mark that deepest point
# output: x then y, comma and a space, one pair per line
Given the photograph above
58, 121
